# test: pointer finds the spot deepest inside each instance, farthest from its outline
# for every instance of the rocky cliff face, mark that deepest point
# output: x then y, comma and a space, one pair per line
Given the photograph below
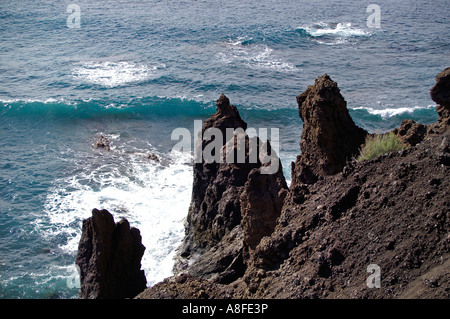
214, 208
224, 219
341, 217
392, 212
109, 258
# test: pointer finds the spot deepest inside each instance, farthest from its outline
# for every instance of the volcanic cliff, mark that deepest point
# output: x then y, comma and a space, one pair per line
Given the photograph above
250, 236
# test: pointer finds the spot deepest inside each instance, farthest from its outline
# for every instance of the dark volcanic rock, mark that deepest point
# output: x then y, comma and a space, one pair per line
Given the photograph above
103, 142
440, 92
109, 258
222, 263
214, 236
153, 157
261, 203
411, 132
208, 220
393, 212
329, 137
444, 114
184, 286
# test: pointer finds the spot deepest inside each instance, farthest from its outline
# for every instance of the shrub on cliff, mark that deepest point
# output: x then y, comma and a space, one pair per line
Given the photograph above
377, 145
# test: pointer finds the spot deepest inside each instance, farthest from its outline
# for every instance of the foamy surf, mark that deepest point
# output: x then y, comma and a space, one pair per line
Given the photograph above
333, 33
240, 41
154, 197
112, 74
242, 50
391, 112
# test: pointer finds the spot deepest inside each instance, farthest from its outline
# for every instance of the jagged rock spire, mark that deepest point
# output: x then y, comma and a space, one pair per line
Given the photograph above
329, 137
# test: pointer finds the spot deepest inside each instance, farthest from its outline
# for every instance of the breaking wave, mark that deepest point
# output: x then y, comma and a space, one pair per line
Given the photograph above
332, 33
112, 74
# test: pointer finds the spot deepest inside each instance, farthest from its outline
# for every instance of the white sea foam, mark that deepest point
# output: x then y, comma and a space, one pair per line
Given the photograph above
389, 112
333, 33
340, 29
50, 100
153, 197
112, 74
240, 40
257, 56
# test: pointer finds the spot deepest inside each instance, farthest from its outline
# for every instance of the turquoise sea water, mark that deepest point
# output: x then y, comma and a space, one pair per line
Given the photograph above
134, 71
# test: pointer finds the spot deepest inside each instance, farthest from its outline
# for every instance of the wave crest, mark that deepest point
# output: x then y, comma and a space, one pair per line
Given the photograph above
112, 74
256, 56
391, 112
332, 33
129, 186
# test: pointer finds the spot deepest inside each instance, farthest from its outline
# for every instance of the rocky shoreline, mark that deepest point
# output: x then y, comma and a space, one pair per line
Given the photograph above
249, 235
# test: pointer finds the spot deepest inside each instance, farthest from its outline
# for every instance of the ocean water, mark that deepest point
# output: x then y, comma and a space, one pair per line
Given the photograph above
136, 70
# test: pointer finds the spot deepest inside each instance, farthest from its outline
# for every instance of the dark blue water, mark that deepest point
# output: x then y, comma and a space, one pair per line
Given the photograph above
134, 71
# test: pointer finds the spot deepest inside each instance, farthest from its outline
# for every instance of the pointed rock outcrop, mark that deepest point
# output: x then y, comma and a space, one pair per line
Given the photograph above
214, 208
109, 258
223, 219
329, 137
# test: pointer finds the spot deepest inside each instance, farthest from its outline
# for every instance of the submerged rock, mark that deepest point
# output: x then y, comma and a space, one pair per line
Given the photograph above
153, 157
329, 137
103, 142
109, 258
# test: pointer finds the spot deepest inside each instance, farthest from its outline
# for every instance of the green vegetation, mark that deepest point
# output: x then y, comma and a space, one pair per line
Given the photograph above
380, 144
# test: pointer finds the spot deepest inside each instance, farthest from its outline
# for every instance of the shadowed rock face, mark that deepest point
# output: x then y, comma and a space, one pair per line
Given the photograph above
329, 137
411, 132
215, 208
223, 220
109, 258
440, 93
261, 203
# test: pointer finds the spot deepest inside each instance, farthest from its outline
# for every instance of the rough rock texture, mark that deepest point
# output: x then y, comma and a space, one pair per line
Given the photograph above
410, 132
103, 143
261, 203
393, 211
109, 258
214, 208
440, 93
329, 136
153, 157
214, 243
185, 286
